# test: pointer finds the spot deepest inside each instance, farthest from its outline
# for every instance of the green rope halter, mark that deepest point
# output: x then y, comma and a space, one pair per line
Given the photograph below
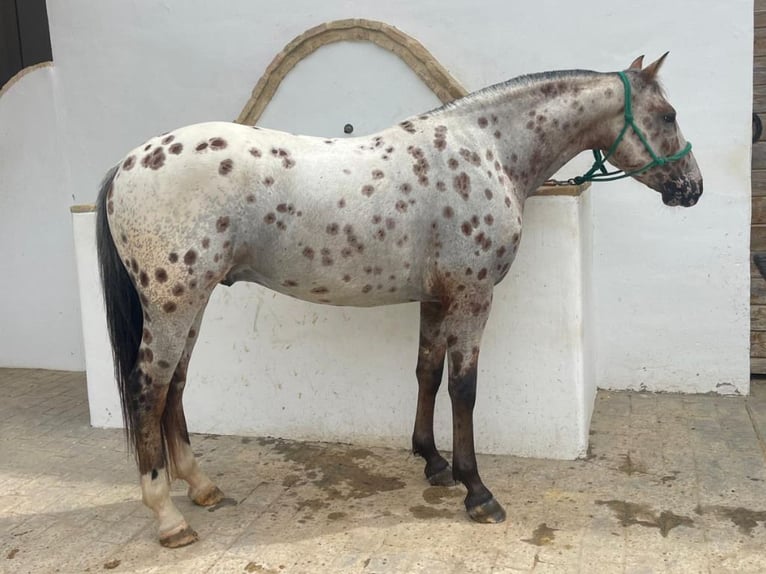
599, 163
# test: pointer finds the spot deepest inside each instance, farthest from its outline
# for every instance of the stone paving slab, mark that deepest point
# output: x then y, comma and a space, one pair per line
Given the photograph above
672, 484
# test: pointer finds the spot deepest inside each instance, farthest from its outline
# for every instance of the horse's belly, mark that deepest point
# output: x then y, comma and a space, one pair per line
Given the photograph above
370, 290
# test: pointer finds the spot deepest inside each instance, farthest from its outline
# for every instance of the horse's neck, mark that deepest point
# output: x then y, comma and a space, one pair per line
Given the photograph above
539, 123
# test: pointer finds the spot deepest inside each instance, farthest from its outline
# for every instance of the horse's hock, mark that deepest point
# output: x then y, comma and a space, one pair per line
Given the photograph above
266, 364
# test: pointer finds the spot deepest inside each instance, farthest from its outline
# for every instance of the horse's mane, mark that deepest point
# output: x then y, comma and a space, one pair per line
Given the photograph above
507, 88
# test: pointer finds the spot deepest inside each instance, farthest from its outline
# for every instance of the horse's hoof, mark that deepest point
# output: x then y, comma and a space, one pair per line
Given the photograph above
442, 478
489, 512
208, 497
182, 537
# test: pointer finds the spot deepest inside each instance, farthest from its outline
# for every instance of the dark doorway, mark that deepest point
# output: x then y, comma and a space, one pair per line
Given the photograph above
24, 36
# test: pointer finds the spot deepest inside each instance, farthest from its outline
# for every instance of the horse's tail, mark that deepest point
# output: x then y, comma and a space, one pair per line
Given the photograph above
124, 315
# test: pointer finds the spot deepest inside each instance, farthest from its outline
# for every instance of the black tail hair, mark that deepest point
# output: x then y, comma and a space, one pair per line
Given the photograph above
124, 315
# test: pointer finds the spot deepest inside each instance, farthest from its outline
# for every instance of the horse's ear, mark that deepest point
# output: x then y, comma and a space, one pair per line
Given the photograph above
650, 72
637, 64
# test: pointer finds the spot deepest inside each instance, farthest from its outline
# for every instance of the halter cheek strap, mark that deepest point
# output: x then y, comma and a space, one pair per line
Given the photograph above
599, 163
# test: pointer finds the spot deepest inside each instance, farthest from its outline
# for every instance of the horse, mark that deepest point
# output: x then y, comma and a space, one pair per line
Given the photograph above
428, 210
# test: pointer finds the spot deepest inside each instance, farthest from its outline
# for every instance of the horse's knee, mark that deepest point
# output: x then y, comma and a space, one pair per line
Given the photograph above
429, 375
462, 389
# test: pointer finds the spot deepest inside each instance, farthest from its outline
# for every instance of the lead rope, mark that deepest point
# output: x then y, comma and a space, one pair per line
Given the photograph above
600, 159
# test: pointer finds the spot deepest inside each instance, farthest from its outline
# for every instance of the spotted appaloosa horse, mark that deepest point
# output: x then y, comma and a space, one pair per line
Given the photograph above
429, 210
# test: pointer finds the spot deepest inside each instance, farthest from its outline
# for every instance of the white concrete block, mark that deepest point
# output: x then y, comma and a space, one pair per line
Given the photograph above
266, 364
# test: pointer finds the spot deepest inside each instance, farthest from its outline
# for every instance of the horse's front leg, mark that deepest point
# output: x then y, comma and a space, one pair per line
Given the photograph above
464, 324
431, 352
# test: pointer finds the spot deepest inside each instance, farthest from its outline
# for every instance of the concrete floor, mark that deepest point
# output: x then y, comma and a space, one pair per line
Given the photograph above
672, 484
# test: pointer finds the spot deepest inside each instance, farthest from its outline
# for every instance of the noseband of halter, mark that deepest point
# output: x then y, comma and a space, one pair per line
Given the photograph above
598, 164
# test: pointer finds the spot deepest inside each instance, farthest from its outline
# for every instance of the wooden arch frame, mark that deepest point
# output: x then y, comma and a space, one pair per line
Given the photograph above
412, 52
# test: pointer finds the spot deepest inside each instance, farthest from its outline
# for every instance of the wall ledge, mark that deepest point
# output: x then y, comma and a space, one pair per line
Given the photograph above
544, 191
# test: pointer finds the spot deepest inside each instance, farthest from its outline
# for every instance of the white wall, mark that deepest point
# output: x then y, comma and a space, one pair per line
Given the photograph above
669, 294
39, 307
360, 83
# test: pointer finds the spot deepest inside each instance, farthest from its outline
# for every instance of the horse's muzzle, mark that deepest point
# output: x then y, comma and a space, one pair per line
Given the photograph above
684, 192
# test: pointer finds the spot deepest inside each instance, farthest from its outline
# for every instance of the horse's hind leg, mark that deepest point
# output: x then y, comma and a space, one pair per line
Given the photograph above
162, 344
433, 345
202, 491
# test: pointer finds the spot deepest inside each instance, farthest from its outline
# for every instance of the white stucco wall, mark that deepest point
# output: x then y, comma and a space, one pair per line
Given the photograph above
39, 307
667, 306
371, 89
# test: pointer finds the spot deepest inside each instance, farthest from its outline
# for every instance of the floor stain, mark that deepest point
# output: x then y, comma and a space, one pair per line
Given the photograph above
338, 471
629, 467
312, 504
246, 440
336, 515
223, 503
541, 536
557, 495
630, 513
12, 553
669, 477
426, 512
439, 494
112, 564
743, 518
255, 567
292, 480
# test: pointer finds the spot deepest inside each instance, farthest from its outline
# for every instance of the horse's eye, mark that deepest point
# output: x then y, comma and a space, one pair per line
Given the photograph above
669, 118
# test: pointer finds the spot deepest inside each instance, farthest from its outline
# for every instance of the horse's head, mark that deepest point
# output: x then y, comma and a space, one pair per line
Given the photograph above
654, 140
